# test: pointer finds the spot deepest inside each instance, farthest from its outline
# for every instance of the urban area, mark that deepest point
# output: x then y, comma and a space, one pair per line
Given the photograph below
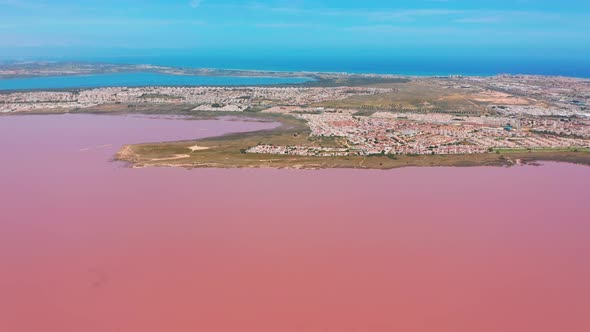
492, 113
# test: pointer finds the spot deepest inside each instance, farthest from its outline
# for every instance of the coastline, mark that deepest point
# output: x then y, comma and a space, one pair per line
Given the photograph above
227, 151
419, 65
58, 69
342, 120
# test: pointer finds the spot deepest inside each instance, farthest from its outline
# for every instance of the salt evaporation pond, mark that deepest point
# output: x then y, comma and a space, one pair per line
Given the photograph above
89, 245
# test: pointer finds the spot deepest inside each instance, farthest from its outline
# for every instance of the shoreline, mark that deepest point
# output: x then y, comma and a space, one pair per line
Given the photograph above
353, 121
227, 151
142, 64
96, 68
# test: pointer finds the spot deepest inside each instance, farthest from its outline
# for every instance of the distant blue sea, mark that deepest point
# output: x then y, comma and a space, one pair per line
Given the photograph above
401, 65
138, 79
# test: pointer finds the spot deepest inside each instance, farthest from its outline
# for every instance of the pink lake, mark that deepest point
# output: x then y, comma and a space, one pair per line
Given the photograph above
88, 245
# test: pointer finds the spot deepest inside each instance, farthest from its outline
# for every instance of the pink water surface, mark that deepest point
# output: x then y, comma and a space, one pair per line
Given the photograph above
87, 245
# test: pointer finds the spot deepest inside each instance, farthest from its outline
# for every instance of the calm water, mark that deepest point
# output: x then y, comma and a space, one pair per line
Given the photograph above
138, 79
88, 245
421, 65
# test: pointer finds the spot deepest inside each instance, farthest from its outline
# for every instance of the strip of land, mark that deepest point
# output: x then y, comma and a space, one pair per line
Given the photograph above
231, 151
355, 121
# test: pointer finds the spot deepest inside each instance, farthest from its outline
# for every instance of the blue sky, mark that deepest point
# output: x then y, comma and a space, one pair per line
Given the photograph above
447, 27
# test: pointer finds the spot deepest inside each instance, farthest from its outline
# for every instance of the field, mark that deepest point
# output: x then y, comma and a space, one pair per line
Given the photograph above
428, 95
418, 95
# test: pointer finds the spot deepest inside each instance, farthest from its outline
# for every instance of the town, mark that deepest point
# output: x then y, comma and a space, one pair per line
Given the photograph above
388, 133
203, 98
423, 116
